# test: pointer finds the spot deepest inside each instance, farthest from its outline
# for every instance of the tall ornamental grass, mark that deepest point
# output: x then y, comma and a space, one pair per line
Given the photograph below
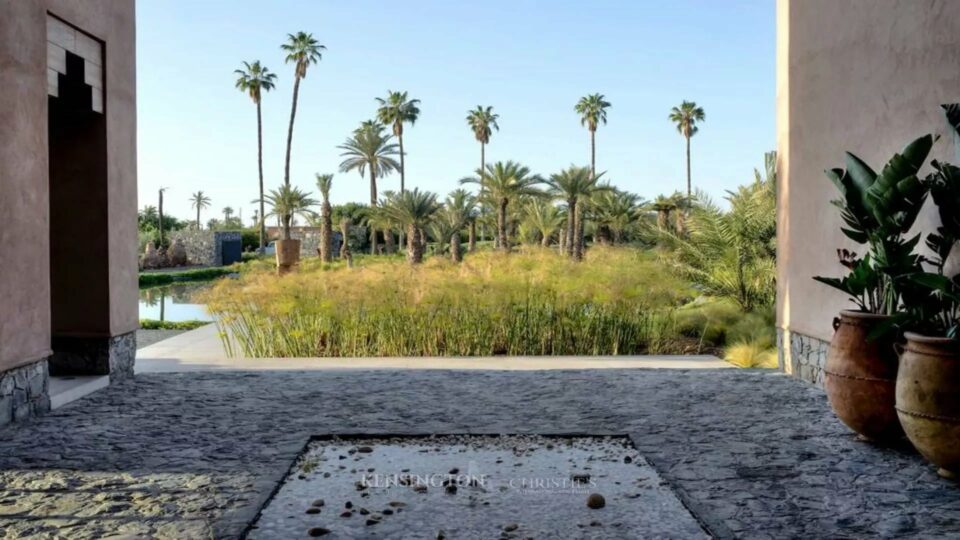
534, 302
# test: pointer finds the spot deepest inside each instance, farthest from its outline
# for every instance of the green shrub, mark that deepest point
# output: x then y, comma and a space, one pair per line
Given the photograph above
156, 279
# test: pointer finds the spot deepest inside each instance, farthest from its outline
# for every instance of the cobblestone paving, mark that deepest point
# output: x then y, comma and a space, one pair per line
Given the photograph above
752, 454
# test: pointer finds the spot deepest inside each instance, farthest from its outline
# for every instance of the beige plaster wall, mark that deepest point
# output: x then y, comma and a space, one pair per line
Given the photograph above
865, 76
24, 193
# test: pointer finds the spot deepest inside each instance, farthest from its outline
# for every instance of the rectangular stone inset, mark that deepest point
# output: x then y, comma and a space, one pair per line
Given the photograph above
61, 33
474, 486
53, 83
56, 58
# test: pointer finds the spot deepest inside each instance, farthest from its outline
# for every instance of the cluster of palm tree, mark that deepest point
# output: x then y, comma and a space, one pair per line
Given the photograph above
510, 199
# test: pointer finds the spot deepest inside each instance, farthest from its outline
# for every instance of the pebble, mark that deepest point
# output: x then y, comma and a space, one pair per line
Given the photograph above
317, 531
365, 449
313, 510
318, 503
595, 501
511, 527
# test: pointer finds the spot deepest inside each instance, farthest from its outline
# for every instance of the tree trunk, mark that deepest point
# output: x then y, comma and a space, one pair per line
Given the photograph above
593, 154
402, 167
345, 233
326, 232
374, 246
689, 183
262, 226
160, 219
663, 218
286, 226
545, 241
472, 241
680, 222
414, 245
563, 239
198, 217
373, 188
502, 224
571, 225
578, 234
389, 246
293, 115
455, 252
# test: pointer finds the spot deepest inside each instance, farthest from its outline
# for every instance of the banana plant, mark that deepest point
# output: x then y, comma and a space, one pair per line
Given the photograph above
877, 211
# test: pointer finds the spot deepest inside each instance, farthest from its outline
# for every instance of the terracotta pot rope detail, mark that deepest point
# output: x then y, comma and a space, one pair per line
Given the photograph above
951, 419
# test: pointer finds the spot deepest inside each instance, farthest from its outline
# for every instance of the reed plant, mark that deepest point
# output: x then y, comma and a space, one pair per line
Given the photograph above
532, 302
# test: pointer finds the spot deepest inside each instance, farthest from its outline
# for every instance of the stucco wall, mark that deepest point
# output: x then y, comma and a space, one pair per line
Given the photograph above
24, 180
865, 76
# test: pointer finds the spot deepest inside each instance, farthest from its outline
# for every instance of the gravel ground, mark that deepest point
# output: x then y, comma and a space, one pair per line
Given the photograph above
751, 454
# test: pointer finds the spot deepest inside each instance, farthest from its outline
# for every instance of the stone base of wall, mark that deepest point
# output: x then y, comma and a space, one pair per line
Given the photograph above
802, 356
112, 356
24, 392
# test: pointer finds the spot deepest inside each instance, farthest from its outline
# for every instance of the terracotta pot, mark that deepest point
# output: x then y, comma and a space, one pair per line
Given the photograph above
288, 254
928, 399
861, 377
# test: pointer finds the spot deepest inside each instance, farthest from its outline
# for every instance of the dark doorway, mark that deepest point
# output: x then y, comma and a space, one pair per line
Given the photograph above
79, 258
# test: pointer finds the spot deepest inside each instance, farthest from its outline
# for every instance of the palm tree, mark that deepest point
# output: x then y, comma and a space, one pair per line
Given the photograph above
302, 50
458, 213
370, 150
286, 202
413, 209
682, 205
593, 112
148, 214
663, 206
345, 224
544, 218
614, 212
324, 183
574, 185
686, 117
255, 79
227, 214
482, 122
199, 201
501, 182
395, 111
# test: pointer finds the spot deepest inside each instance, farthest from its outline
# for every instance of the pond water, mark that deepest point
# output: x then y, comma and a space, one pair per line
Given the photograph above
173, 303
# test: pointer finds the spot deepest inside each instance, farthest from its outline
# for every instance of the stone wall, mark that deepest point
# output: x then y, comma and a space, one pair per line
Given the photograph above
804, 357
24, 392
204, 247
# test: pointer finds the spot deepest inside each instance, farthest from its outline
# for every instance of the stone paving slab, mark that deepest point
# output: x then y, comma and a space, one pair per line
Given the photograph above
752, 454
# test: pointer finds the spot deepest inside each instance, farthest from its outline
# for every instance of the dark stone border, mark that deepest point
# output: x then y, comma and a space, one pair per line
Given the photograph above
805, 355
114, 356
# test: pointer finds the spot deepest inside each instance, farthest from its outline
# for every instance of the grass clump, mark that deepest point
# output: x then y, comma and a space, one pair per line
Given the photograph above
535, 302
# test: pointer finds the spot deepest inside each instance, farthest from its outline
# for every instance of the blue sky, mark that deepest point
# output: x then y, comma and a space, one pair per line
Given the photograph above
531, 60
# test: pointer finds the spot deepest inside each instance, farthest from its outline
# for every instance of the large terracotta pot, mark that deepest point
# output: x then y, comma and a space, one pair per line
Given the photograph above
928, 399
861, 375
288, 254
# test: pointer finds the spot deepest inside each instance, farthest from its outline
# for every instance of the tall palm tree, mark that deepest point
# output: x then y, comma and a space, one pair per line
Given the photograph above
501, 182
686, 117
483, 121
160, 215
199, 201
414, 209
324, 183
227, 214
255, 79
574, 185
302, 51
287, 202
370, 150
396, 110
593, 112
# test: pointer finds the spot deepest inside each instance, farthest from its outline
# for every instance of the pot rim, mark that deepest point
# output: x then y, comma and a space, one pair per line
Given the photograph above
859, 314
933, 340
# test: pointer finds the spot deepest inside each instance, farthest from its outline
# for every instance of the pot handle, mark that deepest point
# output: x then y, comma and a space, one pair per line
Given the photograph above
836, 323
898, 348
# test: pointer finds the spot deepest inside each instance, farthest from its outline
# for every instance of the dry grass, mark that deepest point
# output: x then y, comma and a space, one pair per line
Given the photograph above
535, 302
